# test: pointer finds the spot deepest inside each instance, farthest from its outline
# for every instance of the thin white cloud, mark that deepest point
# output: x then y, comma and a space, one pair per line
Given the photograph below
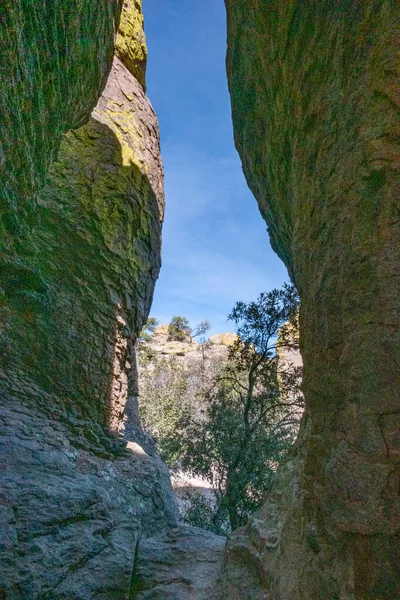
215, 249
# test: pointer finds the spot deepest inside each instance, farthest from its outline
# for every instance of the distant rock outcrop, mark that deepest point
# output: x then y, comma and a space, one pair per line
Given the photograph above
223, 339
161, 344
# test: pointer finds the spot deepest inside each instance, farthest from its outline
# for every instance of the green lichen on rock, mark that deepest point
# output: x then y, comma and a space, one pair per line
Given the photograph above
96, 253
46, 85
88, 250
130, 45
46, 88
78, 262
315, 111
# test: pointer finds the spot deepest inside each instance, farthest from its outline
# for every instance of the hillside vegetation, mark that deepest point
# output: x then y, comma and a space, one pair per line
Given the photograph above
225, 409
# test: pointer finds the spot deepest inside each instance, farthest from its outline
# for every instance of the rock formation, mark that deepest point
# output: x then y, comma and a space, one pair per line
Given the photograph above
215, 348
182, 564
87, 510
47, 89
79, 258
315, 108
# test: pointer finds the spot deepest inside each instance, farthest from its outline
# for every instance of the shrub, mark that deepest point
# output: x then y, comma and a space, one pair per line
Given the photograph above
179, 329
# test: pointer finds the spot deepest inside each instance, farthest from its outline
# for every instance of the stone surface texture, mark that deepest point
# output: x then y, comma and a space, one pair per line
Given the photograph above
72, 509
79, 481
46, 88
223, 339
182, 564
130, 45
314, 91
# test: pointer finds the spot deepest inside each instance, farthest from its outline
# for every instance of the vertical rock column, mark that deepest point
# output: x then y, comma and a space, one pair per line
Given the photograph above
314, 91
79, 285
75, 291
46, 89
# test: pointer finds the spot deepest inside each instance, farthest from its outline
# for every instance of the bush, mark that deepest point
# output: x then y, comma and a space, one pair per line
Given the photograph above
147, 331
232, 426
251, 414
166, 404
198, 511
179, 329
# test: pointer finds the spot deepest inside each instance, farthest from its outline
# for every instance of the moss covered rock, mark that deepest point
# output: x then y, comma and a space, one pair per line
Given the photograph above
78, 263
46, 85
130, 45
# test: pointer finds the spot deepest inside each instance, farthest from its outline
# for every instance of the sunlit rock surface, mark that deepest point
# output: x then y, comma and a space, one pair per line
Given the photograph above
78, 268
315, 108
130, 45
223, 339
314, 91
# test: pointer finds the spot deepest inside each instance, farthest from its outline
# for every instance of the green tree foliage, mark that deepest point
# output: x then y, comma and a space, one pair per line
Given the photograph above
179, 329
166, 404
200, 511
171, 392
147, 331
250, 416
232, 426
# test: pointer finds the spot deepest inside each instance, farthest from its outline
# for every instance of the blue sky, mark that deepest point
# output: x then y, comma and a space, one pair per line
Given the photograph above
215, 244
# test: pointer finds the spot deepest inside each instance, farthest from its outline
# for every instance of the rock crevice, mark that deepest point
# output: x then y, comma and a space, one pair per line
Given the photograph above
315, 111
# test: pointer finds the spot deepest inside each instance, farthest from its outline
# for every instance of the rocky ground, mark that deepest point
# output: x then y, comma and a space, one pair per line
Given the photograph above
182, 564
72, 508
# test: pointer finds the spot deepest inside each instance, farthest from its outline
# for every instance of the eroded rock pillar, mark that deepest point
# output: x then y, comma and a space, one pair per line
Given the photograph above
314, 90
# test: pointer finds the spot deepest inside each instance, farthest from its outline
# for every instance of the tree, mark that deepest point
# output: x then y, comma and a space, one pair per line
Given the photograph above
200, 331
199, 510
171, 392
179, 329
251, 414
147, 330
166, 404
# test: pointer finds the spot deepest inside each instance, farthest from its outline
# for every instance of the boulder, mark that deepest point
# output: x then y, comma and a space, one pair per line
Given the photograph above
223, 339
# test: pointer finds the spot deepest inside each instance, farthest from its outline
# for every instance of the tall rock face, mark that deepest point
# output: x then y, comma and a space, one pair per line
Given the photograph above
314, 90
79, 259
47, 88
130, 45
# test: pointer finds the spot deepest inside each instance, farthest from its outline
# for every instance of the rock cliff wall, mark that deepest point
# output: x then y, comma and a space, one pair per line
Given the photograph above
79, 258
47, 89
315, 111
314, 89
